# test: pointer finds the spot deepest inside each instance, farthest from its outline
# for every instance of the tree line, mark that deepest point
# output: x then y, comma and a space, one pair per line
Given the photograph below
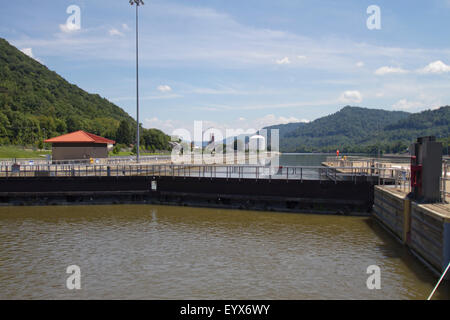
361, 130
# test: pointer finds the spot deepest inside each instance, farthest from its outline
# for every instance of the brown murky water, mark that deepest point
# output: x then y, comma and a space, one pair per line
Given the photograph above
164, 252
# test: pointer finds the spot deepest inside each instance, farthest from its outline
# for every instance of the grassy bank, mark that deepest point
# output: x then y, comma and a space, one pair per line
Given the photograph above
9, 152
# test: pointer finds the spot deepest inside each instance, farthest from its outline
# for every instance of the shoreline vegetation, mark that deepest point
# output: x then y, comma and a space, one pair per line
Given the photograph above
24, 152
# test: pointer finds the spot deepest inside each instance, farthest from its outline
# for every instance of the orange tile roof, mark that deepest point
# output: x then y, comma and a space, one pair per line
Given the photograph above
79, 137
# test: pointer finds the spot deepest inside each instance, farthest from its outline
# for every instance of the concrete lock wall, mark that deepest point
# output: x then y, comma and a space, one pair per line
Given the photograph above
419, 226
430, 236
393, 211
344, 197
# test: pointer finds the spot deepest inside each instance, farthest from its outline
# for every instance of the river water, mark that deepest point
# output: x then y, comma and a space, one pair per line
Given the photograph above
167, 252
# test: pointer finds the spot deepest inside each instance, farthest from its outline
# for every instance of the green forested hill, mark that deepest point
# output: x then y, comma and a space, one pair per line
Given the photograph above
355, 129
36, 103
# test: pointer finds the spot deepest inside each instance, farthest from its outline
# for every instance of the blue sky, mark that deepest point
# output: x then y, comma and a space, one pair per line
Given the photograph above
243, 64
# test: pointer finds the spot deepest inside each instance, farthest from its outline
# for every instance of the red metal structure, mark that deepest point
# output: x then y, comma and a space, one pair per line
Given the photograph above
416, 176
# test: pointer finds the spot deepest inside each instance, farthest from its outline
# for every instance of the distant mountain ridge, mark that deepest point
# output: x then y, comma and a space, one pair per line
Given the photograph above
356, 129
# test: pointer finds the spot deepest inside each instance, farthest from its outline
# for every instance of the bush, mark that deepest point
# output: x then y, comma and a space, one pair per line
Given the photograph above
116, 149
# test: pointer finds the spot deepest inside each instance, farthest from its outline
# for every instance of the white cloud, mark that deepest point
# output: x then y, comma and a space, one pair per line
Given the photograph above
359, 64
236, 89
147, 98
29, 52
68, 27
262, 106
164, 88
227, 42
436, 67
421, 101
404, 104
115, 32
207, 36
271, 119
301, 57
298, 104
388, 70
167, 126
213, 91
285, 60
351, 96
125, 27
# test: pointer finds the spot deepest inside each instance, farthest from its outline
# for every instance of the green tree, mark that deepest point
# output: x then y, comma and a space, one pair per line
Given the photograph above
124, 133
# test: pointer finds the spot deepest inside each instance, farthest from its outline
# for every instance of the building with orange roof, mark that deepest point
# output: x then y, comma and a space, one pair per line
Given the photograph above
79, 145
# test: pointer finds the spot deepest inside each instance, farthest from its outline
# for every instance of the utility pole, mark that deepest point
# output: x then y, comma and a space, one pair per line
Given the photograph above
378, 140
137, 3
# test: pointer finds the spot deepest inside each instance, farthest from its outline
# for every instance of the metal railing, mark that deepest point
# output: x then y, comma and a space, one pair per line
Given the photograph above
338, 170
206, 171
401, 169
371, 160
239, 158
98, 161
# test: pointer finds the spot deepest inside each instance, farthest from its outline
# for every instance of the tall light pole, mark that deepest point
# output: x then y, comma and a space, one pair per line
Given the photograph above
137, 3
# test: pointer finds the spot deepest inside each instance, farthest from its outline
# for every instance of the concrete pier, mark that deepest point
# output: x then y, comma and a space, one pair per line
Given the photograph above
392, 208
430, 233
423, 228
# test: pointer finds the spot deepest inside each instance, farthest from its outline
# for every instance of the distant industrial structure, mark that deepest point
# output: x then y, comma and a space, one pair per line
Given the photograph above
80, 145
